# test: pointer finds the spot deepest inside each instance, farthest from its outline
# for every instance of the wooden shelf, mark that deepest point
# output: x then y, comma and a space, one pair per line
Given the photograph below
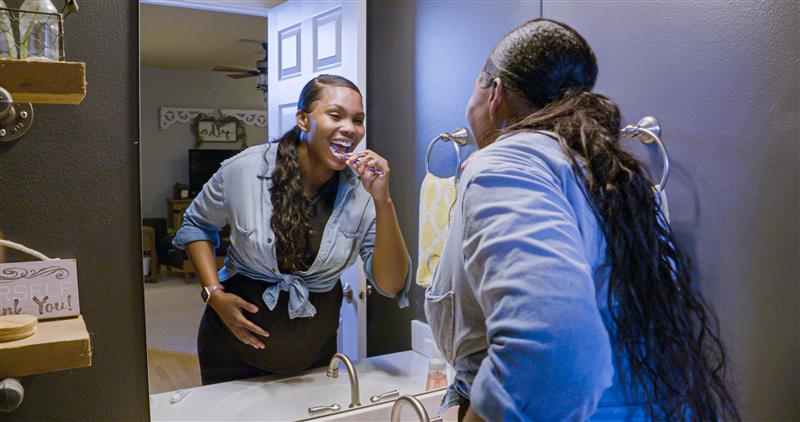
57, 345
44, 82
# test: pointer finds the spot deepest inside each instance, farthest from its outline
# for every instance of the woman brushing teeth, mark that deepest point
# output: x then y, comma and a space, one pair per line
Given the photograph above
302, 209
342, 151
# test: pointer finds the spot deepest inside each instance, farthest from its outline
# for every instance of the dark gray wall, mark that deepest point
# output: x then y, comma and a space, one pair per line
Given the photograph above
390, 123
70, 189
723, 80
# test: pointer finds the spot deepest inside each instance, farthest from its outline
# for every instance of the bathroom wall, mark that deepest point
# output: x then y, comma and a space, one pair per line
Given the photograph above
164, 152
70, 189
722, 78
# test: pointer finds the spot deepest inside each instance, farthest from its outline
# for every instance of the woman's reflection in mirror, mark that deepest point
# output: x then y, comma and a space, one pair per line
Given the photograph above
301, 210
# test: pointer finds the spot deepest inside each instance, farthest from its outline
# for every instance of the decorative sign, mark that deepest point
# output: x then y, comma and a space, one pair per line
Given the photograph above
44, 289
210, 130
226, 129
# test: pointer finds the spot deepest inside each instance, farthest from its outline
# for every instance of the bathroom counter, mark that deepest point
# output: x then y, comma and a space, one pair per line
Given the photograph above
285, 399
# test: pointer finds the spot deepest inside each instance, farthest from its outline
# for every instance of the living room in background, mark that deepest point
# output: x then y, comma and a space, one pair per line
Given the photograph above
202, 100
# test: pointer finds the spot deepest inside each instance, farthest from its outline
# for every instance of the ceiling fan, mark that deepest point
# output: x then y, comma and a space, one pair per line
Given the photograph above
260, 72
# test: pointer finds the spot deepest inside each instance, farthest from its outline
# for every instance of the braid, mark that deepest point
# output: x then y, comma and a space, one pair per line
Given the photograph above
290, 208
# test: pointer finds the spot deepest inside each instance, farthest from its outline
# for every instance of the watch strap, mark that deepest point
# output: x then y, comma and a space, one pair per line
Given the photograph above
205, 294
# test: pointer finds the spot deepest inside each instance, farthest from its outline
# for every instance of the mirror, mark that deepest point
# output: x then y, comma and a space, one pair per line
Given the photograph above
203, 93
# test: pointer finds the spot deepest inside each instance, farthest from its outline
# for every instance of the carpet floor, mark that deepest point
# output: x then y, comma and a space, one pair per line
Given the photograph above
172, 314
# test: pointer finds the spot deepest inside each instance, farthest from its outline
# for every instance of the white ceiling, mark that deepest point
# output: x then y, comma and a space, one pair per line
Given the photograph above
198, 35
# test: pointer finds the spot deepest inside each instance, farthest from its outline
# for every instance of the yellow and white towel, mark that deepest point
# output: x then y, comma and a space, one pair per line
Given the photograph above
436, 199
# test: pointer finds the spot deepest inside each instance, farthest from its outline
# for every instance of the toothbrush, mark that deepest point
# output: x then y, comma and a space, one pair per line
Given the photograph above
372, 169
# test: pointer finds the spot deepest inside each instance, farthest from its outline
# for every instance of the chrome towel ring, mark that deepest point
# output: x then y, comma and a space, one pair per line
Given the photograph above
648, 129
458, 137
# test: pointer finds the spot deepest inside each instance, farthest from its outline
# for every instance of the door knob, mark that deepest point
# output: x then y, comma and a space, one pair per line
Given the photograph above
347, 291
361, 293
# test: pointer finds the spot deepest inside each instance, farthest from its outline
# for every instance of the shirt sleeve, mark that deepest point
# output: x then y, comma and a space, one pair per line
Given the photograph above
367, 249
549, 354
206, 215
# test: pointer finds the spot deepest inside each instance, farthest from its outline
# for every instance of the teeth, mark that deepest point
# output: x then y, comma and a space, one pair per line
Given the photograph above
342, 144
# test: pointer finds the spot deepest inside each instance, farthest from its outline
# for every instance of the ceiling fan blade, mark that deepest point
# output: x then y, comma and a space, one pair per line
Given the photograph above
251, 40
242, 75
231, 69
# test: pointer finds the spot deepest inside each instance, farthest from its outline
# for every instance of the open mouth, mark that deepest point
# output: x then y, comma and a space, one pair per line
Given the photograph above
340, 147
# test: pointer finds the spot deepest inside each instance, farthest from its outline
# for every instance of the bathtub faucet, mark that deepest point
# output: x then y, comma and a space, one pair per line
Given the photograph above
333, 372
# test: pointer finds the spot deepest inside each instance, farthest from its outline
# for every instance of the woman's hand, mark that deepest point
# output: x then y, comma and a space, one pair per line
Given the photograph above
229, 308
365, 163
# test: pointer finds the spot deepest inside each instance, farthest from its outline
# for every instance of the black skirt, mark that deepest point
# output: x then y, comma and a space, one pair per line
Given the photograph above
294, 345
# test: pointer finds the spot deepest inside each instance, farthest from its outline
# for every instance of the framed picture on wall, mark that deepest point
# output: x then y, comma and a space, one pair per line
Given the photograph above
225, 129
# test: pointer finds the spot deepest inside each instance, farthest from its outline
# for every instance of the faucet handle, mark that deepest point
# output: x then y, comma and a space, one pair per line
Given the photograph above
317, 409
386, 395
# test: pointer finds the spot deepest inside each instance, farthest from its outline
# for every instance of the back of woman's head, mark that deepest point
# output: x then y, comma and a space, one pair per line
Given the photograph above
662, 324
291, 209
544, 60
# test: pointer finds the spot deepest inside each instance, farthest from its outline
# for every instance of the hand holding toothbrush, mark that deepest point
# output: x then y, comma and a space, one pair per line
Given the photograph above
373, 171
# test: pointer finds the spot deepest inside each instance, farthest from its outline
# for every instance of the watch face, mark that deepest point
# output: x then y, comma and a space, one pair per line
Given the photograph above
204, 295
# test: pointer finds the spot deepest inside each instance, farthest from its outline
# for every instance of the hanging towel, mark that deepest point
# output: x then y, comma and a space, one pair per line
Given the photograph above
436, 200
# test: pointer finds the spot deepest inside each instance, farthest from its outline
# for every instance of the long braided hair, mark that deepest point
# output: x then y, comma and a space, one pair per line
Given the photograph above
662, 323
291, 209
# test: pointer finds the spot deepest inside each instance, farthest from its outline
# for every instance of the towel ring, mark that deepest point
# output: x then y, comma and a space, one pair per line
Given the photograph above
458, 137
648, 130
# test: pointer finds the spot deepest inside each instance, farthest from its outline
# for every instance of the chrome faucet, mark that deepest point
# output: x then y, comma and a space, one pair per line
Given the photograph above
412, 401
333, 372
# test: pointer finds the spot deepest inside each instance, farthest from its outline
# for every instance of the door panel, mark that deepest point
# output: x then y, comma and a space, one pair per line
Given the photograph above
308, 38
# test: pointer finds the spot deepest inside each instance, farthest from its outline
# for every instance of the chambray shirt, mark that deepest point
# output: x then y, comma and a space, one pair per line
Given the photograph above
239, 194
518, 303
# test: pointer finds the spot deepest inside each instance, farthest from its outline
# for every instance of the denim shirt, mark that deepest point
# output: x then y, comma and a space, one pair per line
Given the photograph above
518, 303
239, 194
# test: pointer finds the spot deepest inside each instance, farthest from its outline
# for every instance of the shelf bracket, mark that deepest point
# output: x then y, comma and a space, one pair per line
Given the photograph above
15, 118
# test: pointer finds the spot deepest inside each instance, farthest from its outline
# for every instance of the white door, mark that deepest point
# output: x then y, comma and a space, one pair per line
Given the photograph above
305, 39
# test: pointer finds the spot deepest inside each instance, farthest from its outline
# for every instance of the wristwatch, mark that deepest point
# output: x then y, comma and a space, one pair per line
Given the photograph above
205, 294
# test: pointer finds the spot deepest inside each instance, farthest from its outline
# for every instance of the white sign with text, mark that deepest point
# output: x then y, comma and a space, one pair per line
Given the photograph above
44, 289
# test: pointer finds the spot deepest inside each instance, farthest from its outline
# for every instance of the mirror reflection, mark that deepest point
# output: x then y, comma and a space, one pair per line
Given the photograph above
259, 256
188, 127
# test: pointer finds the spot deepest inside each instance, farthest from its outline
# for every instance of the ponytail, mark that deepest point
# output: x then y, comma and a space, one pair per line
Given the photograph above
290, 208
662, 323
